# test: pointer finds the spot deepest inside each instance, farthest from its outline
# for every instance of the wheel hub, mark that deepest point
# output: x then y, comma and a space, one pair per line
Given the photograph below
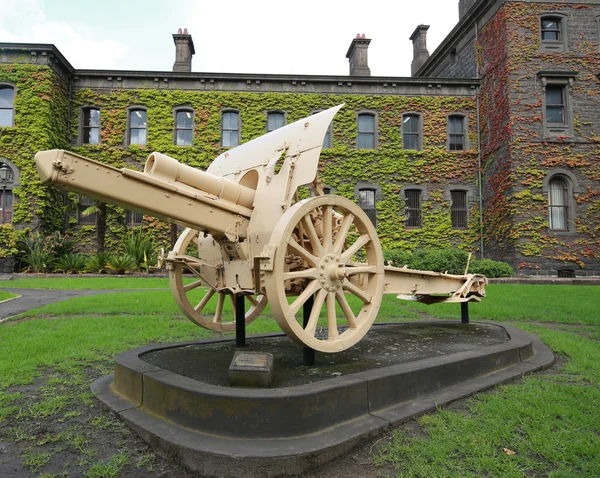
331, 272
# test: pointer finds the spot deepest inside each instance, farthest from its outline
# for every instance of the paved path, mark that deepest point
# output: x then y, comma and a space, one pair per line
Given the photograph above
33, 298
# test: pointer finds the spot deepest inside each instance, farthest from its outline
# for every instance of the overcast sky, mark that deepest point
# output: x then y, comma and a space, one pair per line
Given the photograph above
260, 36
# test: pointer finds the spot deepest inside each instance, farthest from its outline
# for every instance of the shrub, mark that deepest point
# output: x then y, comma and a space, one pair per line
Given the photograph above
71, 263
38, 260
142, 248
453, 261
121, 264
97, 263
490, 268
40, 252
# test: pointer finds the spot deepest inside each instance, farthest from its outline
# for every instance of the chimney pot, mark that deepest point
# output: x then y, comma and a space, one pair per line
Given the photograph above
179, 31
185, 32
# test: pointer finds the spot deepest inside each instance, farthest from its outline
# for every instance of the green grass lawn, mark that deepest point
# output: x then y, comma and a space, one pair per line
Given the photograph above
6, 295
551, 421
82, 282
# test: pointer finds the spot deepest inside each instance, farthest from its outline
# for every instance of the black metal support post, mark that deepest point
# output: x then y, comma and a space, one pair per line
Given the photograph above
309, 353
240, 321
464, 312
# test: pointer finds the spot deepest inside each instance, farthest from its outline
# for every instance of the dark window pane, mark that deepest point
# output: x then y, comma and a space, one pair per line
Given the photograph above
554, 114
184, 119
455, 125
551, 29
554, 95
6, 117
7, 95
366, 141
134, 136
91, 117
6, 201
557, 204
138, 119
458, 208
275, 121
410, 124
366, 124
184, 137
327, 140
366, 200
411, 141
413, 207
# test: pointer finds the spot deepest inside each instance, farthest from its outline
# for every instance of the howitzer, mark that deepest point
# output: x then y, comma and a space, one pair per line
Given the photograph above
247, 233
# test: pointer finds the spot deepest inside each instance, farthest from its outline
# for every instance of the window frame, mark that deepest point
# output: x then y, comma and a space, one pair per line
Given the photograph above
465, 128
274, 112
375, 132
455, 210
9, 187
176, 111
3, 86
239, 126
572, 189
82, 125
378, 196
130, 111
328, 138
129, 222
423, 197
419, 132
82, 204
559, 45
564, 80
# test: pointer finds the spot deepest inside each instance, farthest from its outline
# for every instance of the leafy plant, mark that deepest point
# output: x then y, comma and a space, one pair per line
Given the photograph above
121, 264
71, 263
142, 248
490, 268
97, 263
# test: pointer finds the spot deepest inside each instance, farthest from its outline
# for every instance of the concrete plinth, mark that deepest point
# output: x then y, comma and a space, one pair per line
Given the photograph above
176, 396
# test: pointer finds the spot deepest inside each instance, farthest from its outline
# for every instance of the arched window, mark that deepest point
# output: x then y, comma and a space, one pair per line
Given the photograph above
184, 126
456, 133
138, 126
230, 129
7, 183
275, 120
90, 125
7, 99
558, 204
411, 131
367, 134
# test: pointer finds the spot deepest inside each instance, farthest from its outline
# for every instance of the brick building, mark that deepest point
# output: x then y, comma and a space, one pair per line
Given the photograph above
491, 146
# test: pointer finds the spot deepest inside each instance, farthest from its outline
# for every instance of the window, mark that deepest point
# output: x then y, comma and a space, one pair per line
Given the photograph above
230, 129
411, 131
458, 209
553, 32
555, 104
184, 127
7, 178
366, 200
85, 204
327, 143
558, 201
133, 218
412, 198
7, 98
138, 126
456, 133
275, 120
366, 131
90, 126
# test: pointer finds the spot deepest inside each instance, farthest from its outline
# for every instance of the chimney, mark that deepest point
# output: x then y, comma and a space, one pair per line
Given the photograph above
357, 56
184, 49
420, 53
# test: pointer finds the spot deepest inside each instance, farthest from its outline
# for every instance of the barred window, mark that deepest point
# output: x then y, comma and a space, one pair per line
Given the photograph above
458, 209
412, 199
133, 218
85, 203
90, 126
367, 202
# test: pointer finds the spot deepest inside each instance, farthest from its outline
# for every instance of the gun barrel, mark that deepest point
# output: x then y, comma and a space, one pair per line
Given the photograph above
152, 194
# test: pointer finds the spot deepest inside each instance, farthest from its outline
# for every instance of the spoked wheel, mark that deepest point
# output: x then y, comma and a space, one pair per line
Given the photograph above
327, 248
193, 299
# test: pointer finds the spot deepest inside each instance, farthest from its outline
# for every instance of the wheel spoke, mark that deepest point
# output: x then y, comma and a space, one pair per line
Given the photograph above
205, 299
252, 300
193, 285
309, 290
311, 232
361, 294
307, 256
190, 261
303, 274
354, 248
233, 306
341, 298
313, 320
332, 330
327, 228
219, 310
362, 269
342, 233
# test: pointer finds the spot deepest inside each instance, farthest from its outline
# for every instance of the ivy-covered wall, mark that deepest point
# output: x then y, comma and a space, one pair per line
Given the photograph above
517, 154
342, 166
40, 122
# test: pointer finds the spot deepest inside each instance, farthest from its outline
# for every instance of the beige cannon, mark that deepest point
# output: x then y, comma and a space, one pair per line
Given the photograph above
248, 233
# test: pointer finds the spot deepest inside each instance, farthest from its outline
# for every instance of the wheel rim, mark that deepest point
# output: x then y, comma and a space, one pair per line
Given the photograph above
196, 304
326, 233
